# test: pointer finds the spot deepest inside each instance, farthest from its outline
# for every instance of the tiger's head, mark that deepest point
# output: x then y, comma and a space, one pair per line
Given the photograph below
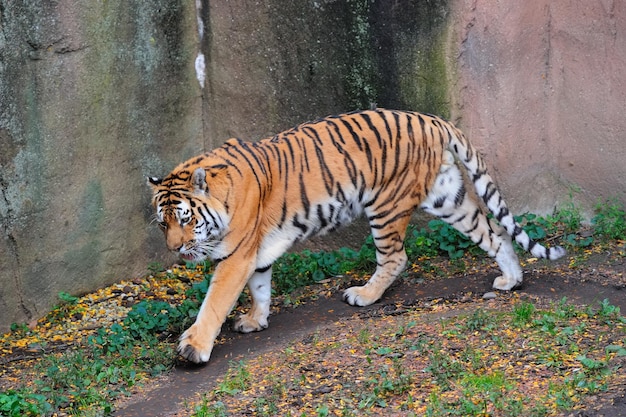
192, 216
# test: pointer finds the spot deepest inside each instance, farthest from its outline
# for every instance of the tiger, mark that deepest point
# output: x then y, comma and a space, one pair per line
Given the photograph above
244, 204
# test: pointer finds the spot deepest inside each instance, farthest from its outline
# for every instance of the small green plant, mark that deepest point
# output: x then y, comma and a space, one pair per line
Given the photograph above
155, 267
479, 320
481, 390
450, 240
570, 217
610, 220
113, 340
535, 226
443, 367
208, 408
523, 313
148, 318
68, 298
609, 313
565, 310
235, 381
23, 403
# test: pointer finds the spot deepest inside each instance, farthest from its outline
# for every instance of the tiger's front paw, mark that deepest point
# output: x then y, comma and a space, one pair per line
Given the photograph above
359, 296
195, 346
247, 324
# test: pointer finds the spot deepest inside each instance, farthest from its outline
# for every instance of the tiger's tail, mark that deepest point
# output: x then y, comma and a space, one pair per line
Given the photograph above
488, 192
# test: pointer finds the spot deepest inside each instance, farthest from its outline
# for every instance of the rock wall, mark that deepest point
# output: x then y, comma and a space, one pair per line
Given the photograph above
539, 86
94, 96
273, 64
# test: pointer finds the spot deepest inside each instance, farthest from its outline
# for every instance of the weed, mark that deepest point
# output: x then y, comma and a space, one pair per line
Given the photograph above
403, 329
322, 411
155, 267
265, 407
617, 349
609, 313
610, 220
450, 240
364, 336
443, 367
569, 216
474, 358
20, 328
148, 318
590, 379
523, 313
480, 391
537, 227
209, 409
236, 380
547, 323
68, 298
23, 403
564, 310
479, 320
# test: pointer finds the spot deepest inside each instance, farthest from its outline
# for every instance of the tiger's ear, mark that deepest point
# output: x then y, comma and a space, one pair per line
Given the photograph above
198, 181
202, 176
154, 181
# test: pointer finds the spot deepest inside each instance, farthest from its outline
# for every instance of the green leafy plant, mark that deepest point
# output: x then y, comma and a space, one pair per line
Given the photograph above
610, 220
68, 298
479, 320
148, 318
236, 380
155, 267
523, 313
535, 226
23, 403
450, 240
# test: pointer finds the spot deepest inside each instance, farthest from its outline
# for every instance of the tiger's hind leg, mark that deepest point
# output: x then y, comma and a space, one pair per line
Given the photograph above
388, 232
260, 287
449, 200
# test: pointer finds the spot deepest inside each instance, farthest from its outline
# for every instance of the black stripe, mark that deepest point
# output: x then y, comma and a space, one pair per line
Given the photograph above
438, 203
503, 213
460, 195
299, 225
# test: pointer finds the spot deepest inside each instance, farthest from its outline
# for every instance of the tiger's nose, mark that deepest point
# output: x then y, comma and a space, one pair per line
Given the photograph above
175, 248
174, 245
174, 238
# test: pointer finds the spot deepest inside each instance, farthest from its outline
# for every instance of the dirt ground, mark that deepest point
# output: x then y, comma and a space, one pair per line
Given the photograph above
600, 276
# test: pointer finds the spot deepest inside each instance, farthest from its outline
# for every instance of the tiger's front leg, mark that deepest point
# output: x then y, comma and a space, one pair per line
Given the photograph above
260, 286
228, 281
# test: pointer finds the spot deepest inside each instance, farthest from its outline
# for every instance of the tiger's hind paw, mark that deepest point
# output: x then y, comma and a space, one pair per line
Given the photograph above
358, 296
248, 324
506, 284
191, 348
